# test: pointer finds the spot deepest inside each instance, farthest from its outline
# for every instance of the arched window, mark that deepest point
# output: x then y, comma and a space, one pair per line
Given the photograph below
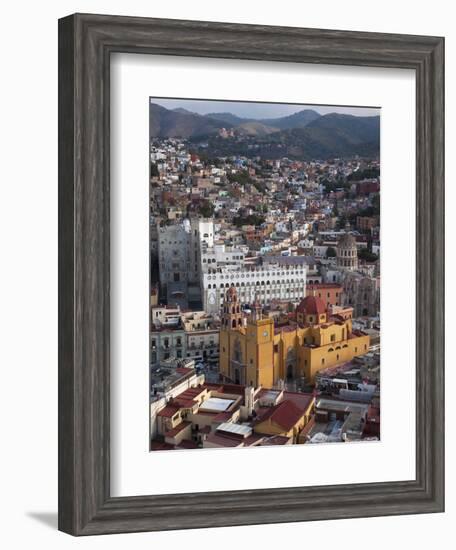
233, 324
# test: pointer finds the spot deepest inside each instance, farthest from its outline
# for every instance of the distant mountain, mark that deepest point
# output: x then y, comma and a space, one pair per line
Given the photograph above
328, 136
176, 123
354, 128
255, 128
183, 111
296, 120
304, 135
228, 118
325, 142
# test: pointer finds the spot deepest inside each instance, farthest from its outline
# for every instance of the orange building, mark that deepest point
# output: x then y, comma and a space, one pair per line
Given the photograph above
330, 293
255, 352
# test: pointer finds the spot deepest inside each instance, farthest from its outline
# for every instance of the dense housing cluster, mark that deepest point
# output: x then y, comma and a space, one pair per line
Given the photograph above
265, 298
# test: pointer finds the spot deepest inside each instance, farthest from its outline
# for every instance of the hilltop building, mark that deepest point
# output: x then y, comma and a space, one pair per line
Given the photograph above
254, 351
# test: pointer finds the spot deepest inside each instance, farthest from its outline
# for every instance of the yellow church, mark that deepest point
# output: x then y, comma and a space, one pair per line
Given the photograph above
253, 351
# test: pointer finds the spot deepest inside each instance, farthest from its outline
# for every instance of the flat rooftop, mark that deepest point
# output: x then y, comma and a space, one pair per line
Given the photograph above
341, 406
216, 404
237, 429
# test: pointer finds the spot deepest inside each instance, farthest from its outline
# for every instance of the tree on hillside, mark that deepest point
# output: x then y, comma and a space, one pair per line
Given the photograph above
206, 209
366, 255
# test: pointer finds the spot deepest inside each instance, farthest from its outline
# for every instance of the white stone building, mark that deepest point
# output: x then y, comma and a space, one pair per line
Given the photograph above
266, 283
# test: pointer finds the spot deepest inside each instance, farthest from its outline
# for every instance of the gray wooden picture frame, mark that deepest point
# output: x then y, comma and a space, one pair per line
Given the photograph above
85, 45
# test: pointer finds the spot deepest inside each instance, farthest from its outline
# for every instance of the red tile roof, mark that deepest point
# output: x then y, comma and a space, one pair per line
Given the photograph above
301, 400
316, 286
311, 305
184, 403
223, 416
177, 429
286, 414
233, 388
168, 411
184, 370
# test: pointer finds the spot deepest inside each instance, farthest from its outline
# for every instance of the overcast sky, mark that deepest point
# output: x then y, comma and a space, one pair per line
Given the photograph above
258, 110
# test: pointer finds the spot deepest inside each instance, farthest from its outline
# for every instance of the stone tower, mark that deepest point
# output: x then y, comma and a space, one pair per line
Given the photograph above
232, 316
347, 253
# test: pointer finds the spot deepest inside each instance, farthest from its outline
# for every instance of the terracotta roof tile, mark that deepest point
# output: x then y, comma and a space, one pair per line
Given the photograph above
168, 411
311, 305
286, 414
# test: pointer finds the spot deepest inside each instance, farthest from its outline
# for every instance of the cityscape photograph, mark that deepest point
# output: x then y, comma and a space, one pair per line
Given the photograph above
264, 274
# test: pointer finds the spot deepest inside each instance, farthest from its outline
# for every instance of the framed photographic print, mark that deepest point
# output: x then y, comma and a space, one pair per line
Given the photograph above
251, 274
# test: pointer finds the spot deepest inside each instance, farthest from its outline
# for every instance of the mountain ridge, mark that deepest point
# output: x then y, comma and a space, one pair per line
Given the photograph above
305, 134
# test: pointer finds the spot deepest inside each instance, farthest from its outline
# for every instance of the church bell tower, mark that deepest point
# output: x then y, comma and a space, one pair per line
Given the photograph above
232, 316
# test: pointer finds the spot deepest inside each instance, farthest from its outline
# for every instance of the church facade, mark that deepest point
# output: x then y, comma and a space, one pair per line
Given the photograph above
256, 352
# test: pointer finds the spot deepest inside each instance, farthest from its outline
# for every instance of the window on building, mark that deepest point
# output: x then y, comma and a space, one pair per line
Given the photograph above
333, 337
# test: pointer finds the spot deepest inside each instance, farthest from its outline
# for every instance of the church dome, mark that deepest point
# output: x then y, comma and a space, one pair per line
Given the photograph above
347, 241
311, 305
